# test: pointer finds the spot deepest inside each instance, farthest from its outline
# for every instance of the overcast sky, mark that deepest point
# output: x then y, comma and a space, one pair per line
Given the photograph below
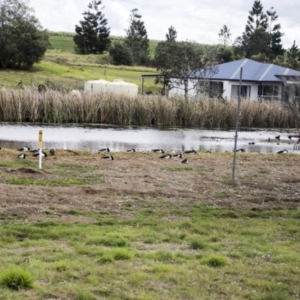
194, 20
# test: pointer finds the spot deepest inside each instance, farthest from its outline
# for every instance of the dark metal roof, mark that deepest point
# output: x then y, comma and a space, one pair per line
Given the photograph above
252, 71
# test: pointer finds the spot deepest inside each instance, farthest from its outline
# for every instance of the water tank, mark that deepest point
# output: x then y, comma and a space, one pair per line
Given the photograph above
117, 87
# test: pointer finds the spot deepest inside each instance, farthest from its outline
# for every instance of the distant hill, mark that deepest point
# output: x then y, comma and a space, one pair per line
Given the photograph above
64, 41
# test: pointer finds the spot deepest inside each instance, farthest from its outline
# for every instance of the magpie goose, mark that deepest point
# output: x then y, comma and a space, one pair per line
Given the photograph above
104, 150
158, 151
185, 161
24, 148
131, 150
282, 151
52, 152
277, 137
240, 150
37, 154
178, 155
251, 143
165, 156
23, 156
190, 151
108, 157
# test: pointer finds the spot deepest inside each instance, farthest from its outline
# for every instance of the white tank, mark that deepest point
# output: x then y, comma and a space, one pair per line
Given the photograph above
118, 87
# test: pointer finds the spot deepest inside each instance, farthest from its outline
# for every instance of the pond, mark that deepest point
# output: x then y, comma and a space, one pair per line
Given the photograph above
93, 138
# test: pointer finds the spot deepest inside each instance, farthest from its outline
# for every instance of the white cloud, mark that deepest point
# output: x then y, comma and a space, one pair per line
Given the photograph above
194, 20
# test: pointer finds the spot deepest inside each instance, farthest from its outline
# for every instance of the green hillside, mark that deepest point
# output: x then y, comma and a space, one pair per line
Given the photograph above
63, 41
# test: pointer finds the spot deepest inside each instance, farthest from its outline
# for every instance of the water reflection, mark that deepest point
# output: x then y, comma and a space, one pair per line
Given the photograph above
143, 139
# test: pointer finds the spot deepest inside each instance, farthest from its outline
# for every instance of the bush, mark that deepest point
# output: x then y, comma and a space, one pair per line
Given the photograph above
16, 279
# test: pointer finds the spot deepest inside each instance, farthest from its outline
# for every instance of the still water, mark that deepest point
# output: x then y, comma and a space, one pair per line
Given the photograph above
117, 139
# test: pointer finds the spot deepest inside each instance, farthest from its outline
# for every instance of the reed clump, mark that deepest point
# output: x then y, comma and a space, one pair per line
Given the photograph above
54, 107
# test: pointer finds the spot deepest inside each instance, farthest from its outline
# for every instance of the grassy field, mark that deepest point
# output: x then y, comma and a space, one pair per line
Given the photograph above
70, 71
143, 228
64, 42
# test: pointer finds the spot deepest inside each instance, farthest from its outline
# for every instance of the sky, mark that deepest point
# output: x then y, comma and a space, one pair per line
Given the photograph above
194, 20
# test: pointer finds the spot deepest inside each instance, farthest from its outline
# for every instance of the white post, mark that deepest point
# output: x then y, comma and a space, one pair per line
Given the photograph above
40, 146
40, 158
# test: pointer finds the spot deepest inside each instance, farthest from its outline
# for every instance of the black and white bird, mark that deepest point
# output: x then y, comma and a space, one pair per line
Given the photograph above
37, 154
166, 156
185, 161
108, 157
34, 150
277, 137
179, 155
251, 143
190, 152
158, 150
22, 156
52, 152
104, 150
282, 151
131, 150
24, 148
240, 150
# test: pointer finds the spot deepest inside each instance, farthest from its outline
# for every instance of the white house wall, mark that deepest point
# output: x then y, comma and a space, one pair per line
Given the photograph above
230, 90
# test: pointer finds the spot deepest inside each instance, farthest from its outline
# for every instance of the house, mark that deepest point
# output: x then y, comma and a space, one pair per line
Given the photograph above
259, 81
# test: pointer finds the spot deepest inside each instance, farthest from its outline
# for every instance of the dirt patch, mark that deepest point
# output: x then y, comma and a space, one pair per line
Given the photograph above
141, 181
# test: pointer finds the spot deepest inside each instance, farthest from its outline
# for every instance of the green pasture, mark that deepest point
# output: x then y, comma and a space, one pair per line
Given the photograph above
64, 42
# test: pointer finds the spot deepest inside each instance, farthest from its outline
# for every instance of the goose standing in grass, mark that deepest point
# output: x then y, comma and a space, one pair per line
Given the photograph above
44, 154
166, 156
104, 150
185, 161
282, 151
108, 157
22, 156
24, 148
178, 155
158, 150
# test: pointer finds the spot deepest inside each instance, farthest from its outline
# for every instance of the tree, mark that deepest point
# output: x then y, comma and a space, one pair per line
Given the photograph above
23, 42
120, 54
137, 39
260, 25
259, 42
172, 34
256, 19
225, 54
92, 36
276, 34
180, 62
293, 57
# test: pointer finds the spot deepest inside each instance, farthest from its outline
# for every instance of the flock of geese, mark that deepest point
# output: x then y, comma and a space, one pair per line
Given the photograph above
36, 152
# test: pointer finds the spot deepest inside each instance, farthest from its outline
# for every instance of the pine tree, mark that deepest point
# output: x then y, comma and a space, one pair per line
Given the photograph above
276, 46
172, 34
137, 39
92, 36
256, 19
293, 57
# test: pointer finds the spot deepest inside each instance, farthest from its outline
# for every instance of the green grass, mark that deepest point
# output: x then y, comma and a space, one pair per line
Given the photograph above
213, 255
64, 42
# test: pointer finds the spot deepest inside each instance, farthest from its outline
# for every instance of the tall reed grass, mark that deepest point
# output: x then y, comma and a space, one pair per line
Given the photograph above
58, 108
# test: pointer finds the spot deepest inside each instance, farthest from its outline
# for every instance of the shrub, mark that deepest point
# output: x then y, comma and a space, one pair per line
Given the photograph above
16, 279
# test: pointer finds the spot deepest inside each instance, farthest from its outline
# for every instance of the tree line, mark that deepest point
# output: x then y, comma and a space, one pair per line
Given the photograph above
24, 42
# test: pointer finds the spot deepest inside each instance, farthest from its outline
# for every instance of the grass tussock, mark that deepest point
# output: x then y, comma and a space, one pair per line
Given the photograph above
55, 107
16, 279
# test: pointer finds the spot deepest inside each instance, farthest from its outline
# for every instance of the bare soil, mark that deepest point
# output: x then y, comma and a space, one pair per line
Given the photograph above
143, 180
